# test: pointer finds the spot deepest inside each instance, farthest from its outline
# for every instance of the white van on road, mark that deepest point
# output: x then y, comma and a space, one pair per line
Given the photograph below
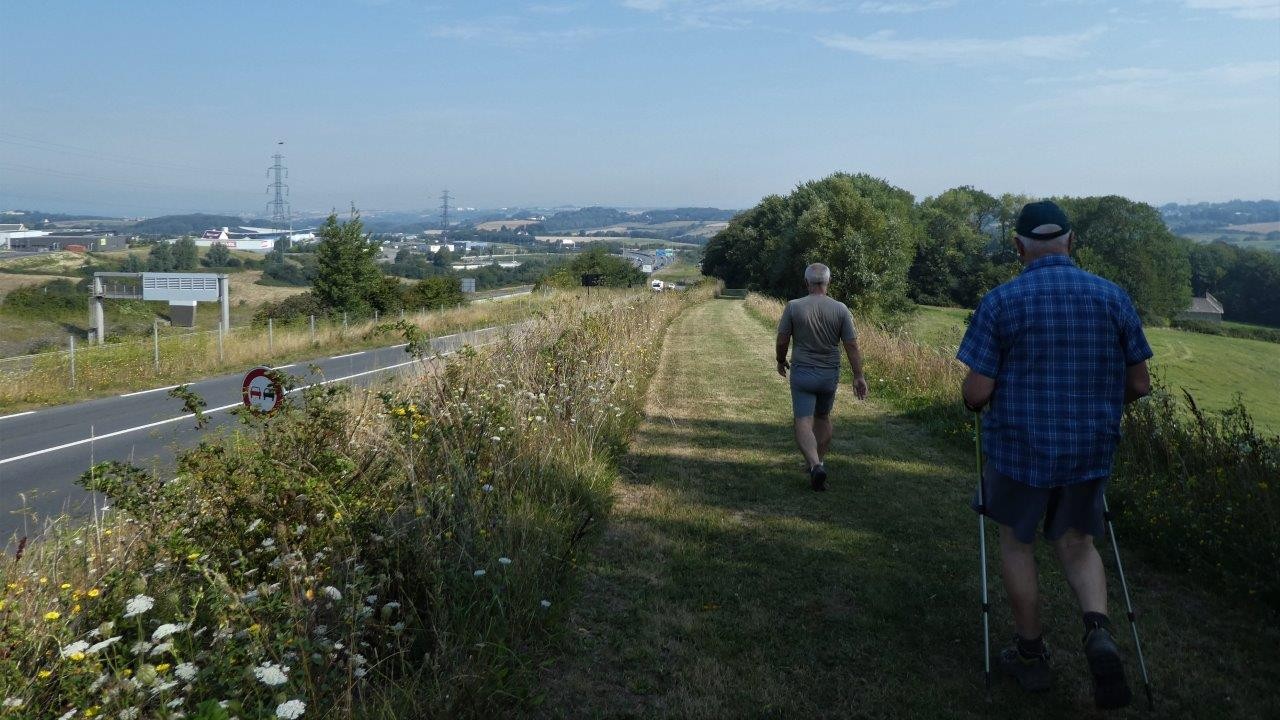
656, 286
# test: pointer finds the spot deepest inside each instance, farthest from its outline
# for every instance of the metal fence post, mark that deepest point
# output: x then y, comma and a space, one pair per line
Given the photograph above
375, 315
155, 341
72, 340
271, 334
344, 319
313, 329
221, 356
401, 313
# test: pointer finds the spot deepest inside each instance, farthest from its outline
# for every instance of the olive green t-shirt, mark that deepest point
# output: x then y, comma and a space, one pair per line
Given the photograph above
817, 325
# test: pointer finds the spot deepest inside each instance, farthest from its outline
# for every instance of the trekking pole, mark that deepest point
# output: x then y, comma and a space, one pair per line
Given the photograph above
1124, 585
982, 548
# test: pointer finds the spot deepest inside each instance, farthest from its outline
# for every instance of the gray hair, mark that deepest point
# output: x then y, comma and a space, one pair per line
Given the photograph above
817, 274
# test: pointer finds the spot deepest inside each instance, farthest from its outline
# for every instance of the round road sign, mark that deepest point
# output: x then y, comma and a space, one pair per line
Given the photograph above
261, 393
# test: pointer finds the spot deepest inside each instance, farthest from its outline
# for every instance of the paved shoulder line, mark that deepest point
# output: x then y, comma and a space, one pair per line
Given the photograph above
144, 392
16, 415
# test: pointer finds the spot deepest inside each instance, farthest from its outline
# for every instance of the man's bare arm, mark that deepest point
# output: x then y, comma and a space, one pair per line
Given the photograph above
854, 354
1137, 382
977, 390
780, 350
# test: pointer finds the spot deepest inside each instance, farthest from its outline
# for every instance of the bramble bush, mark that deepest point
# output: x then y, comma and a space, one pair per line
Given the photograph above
398, 552
1196, 490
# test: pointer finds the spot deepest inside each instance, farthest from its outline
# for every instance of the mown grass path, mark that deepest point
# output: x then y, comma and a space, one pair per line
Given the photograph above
723, 587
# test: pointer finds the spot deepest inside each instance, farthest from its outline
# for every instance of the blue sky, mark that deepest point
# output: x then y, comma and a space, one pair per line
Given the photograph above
152, 108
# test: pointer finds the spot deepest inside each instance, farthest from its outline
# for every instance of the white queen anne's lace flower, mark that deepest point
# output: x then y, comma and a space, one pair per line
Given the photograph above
332, 592
271, 674
13, 702
166, 630
187, 671
138, 604
291, 709
99, 646
78, 646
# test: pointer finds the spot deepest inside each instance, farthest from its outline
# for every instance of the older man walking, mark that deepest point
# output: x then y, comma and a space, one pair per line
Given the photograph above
1056, 353
819, 326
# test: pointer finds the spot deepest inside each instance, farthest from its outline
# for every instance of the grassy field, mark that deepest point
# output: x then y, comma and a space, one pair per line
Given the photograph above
723, 587
1214, 369
679, 272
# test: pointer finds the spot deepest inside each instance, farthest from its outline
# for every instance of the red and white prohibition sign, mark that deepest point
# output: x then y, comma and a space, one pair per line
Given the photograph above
261, 393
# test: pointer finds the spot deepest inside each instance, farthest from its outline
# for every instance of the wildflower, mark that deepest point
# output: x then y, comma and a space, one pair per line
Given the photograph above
44, 674
166, 630
253, 525
193, 556
98, 646
44, 581
487, 488
162, 667
138, 604
479, 573
271, 674
92, 711
167, 685
93, 593
13, 702
504, 560
78, 646
546, 603
65, 586
187, 671
291, 709
68, 714
129, 714
332, 592
162, 648
268, 543
52, 615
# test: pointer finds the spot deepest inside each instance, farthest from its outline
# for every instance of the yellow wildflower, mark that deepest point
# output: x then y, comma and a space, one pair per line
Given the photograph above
44, 581
76, 656
193, 556
93, 592
52, 615
76, 608
65, 586
255, 628
44, 674
162, 667
310, 594
91, 711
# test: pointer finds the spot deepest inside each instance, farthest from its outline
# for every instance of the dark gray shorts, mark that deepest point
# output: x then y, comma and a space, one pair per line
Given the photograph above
1022, 507
813, 390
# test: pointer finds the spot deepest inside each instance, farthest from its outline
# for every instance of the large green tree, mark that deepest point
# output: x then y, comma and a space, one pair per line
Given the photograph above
185, 256
858, 225
955, 260
1128, 243
347, 277
614, 270
160, 259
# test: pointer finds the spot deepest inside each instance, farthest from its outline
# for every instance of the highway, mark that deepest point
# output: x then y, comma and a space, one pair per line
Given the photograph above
42, 452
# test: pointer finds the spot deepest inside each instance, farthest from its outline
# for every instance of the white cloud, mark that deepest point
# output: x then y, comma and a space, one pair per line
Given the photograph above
1149, 89
1244, 9
901, 7
885, 45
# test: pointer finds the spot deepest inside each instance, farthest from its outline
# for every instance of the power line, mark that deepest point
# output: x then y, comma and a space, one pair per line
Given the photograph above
444, 211
279, 206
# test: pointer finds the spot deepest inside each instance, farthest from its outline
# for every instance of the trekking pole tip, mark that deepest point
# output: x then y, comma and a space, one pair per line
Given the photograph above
1151, 700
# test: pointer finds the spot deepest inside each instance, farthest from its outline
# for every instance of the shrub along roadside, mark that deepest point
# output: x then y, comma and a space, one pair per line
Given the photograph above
394, 555
1195, 490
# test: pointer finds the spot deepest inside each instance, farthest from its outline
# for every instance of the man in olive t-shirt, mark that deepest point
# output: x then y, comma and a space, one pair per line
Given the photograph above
818, 325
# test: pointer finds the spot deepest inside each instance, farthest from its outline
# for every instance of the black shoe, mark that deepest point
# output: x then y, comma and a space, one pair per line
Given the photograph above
818, 477
1033, 673
1110, 689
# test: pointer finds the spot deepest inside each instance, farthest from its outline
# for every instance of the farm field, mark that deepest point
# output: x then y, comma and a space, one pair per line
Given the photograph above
1211, 367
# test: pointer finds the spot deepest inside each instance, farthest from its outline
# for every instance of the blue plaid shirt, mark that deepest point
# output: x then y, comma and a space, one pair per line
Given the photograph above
1057, 340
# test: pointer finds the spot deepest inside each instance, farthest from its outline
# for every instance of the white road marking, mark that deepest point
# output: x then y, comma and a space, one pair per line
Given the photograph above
144, 392
339, 357
180, 418
6, 417
281, 367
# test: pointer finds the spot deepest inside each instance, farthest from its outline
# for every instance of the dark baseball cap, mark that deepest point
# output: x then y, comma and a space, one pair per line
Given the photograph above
1042, 220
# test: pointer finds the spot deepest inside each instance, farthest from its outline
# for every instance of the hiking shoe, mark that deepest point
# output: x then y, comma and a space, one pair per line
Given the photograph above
1110, 689
1033, 673
818, 477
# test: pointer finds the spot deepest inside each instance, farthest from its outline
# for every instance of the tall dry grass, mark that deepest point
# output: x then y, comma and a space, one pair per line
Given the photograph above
46, 378
398, 552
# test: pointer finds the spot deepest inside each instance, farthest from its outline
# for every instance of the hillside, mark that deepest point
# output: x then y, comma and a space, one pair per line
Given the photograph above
192, 224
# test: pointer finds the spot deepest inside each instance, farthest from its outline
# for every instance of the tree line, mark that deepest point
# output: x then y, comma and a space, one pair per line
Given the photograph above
887, 251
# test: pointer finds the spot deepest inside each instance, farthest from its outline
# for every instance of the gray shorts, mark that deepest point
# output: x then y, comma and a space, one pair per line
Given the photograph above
1022, 507
813, 390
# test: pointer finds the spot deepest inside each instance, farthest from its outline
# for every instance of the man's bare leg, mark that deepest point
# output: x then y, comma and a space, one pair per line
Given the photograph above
1083, 568
806, 440
1021, 584
822, 432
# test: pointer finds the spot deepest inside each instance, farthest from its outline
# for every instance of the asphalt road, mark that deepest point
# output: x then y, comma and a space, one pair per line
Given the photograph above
42, 452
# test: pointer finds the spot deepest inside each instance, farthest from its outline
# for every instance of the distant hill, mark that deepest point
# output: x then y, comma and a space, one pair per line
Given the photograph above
1207, 217
600, 217
192, 224
34, 218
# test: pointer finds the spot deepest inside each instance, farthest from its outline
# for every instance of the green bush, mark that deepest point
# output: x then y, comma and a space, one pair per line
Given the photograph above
1235, 331
1199, 491
51, 299
293, 309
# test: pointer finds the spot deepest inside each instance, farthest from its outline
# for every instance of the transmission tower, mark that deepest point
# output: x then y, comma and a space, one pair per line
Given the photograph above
278, 208
444, 211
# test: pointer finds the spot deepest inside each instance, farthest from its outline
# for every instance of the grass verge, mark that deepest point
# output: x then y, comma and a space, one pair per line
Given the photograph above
392, 554
723, 587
